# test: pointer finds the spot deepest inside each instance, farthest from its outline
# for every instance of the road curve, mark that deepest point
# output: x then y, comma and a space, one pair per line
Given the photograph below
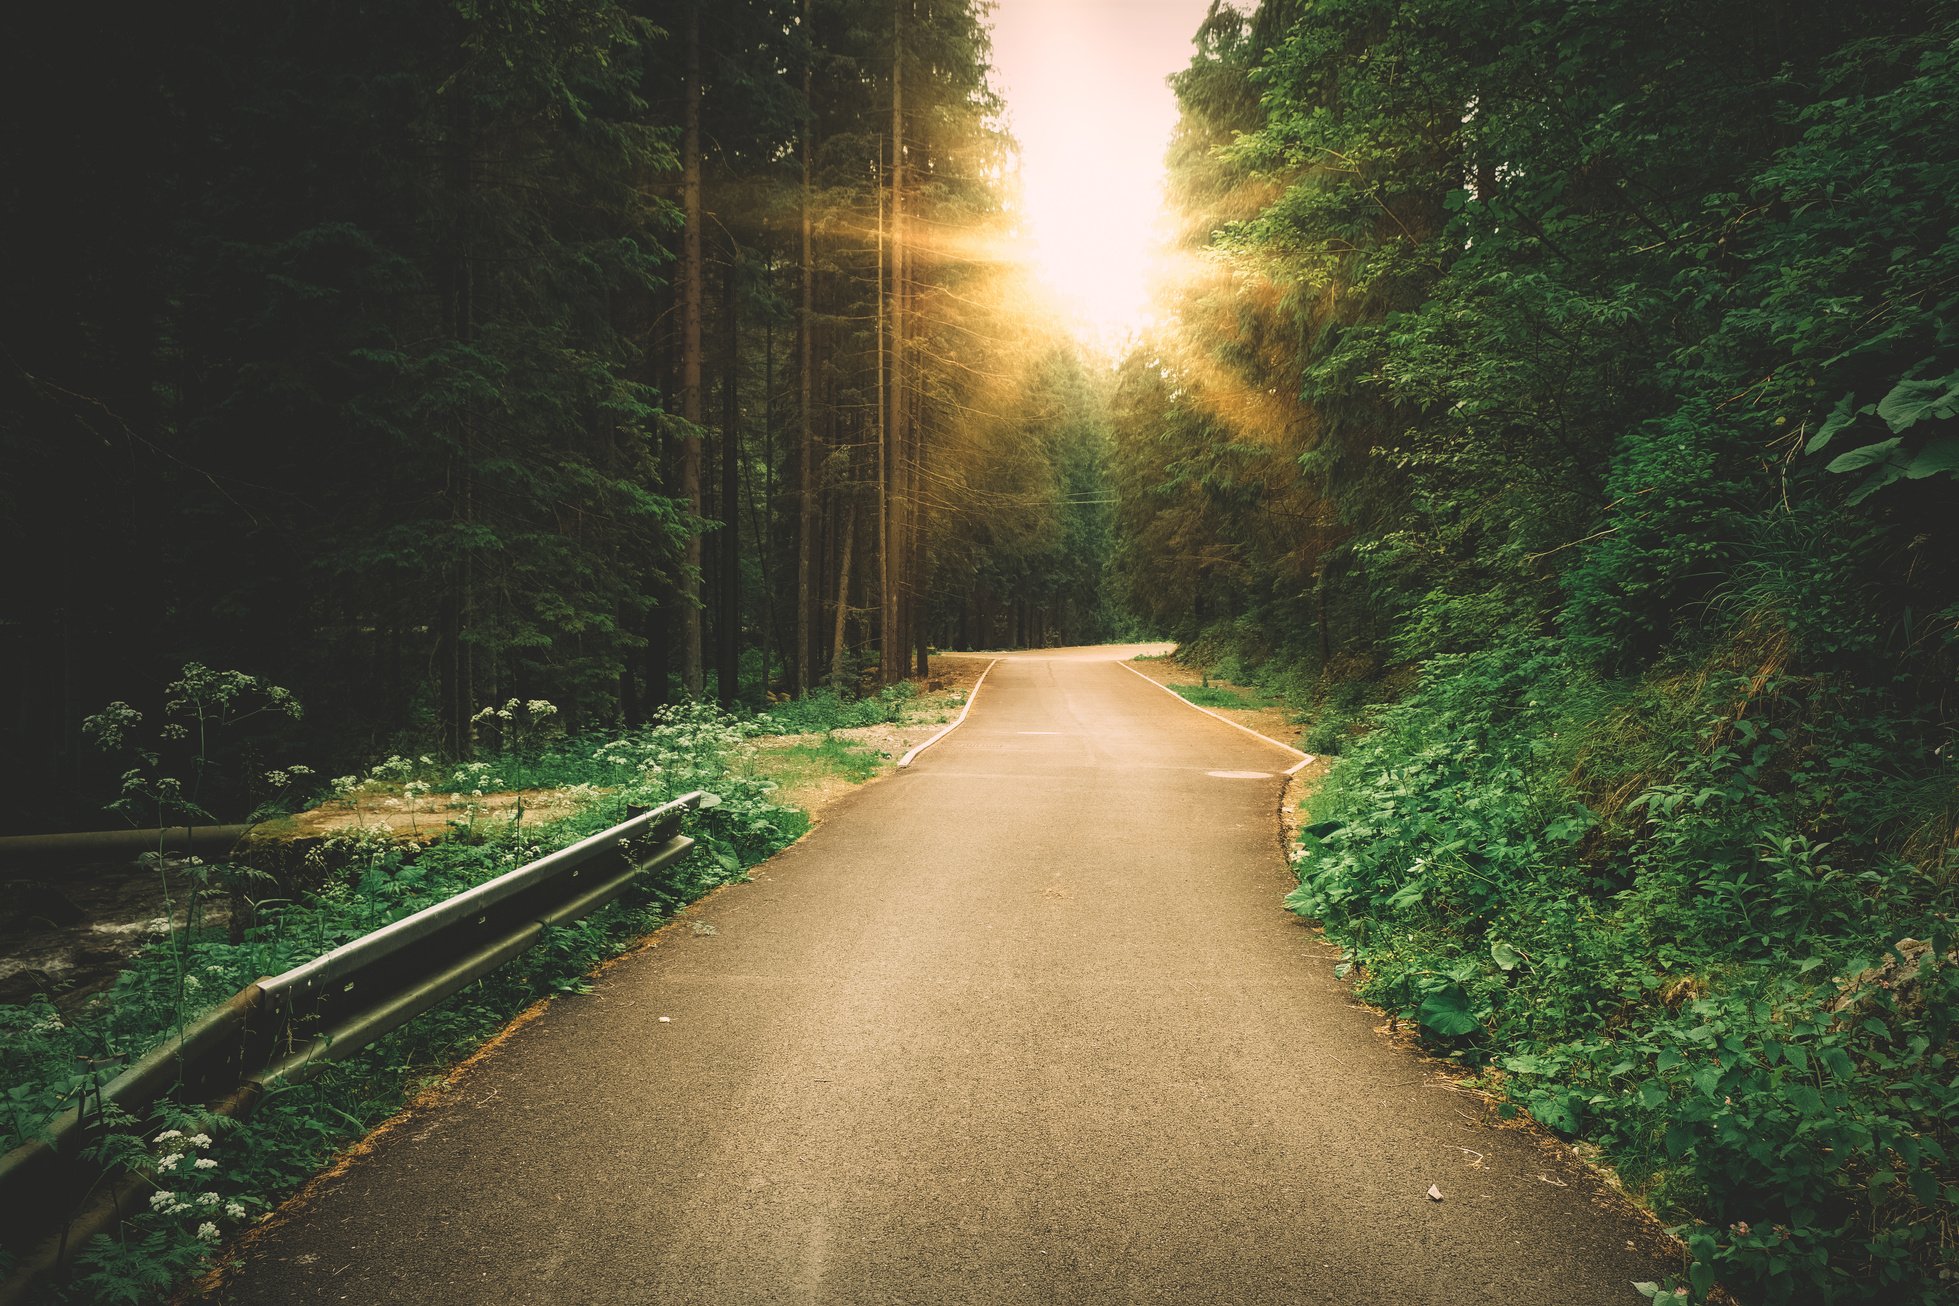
1022, 1024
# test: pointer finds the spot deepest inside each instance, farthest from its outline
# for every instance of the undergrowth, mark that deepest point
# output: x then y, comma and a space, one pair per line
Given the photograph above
825, 709
205, 1191
1702, 918
1226, 696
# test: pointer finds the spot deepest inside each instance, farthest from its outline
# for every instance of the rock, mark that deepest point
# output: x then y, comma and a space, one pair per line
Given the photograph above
1896, 975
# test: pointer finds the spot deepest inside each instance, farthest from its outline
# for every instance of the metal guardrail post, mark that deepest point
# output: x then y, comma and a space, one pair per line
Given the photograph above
30, 853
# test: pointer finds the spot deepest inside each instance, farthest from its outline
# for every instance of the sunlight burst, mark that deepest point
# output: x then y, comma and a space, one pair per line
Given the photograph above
1086, 100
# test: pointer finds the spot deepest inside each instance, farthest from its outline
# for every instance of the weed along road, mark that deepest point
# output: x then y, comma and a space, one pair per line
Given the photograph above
1023, 1023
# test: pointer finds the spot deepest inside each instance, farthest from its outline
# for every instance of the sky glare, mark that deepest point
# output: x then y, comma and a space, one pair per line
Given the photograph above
1083, 82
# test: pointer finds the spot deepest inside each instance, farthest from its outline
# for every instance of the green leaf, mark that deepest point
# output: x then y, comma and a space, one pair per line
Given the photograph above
1506, 957
1407, 895
1941, 455
1447, 1013
1559, 1112
1911, 402
1884, 451
1841, 416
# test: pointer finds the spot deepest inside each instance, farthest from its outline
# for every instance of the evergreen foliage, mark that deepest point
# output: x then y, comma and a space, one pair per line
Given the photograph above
345, 345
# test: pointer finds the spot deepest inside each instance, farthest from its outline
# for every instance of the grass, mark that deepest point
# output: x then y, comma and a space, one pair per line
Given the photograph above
51, 1056
810, 762
825, 710
1228, 696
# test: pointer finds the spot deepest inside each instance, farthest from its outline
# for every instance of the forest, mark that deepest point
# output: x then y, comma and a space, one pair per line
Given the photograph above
606, 354
1556, 405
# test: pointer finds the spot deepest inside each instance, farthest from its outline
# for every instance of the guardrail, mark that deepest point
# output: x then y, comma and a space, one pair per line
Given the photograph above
33, 852
287, 1028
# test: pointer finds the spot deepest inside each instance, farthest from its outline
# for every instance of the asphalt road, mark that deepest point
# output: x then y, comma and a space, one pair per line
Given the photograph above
1023, 1024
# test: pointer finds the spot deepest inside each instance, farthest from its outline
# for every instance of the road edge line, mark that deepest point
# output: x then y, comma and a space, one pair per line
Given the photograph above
1305, 759
960, 720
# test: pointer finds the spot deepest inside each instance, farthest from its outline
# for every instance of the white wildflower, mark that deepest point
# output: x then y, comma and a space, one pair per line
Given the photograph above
207, 1199
169, 1162
205, 1163
236, 1210
200, 1140
161, 1198
208, 1232
167, 1135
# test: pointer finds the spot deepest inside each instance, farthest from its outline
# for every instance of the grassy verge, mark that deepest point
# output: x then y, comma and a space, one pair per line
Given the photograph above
214, 1177
1229, 696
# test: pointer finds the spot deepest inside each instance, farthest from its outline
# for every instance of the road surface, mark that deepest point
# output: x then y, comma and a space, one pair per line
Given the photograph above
1022, 1024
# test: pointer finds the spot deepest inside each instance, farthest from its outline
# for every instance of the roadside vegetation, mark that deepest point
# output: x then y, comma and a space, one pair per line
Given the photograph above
1233, 696
212, 1176
1563, 416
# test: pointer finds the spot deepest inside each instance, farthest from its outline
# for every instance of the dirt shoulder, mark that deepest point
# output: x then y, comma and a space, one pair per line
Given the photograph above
806, 779
816, 770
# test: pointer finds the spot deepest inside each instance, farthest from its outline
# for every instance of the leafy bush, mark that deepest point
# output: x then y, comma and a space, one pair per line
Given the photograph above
825, 709
1666, 964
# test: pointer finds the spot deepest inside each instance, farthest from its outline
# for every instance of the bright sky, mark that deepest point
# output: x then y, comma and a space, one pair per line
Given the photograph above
1084, 86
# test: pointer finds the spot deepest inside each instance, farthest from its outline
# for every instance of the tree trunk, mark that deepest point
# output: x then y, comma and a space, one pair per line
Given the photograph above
843, 596
692, 672
761, 517
891, 645
883, 505
915, 593
805, 380
727, 668
459, 689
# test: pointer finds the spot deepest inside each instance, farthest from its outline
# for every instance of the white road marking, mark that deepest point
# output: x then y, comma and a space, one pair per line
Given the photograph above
906, 760
1305, 759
